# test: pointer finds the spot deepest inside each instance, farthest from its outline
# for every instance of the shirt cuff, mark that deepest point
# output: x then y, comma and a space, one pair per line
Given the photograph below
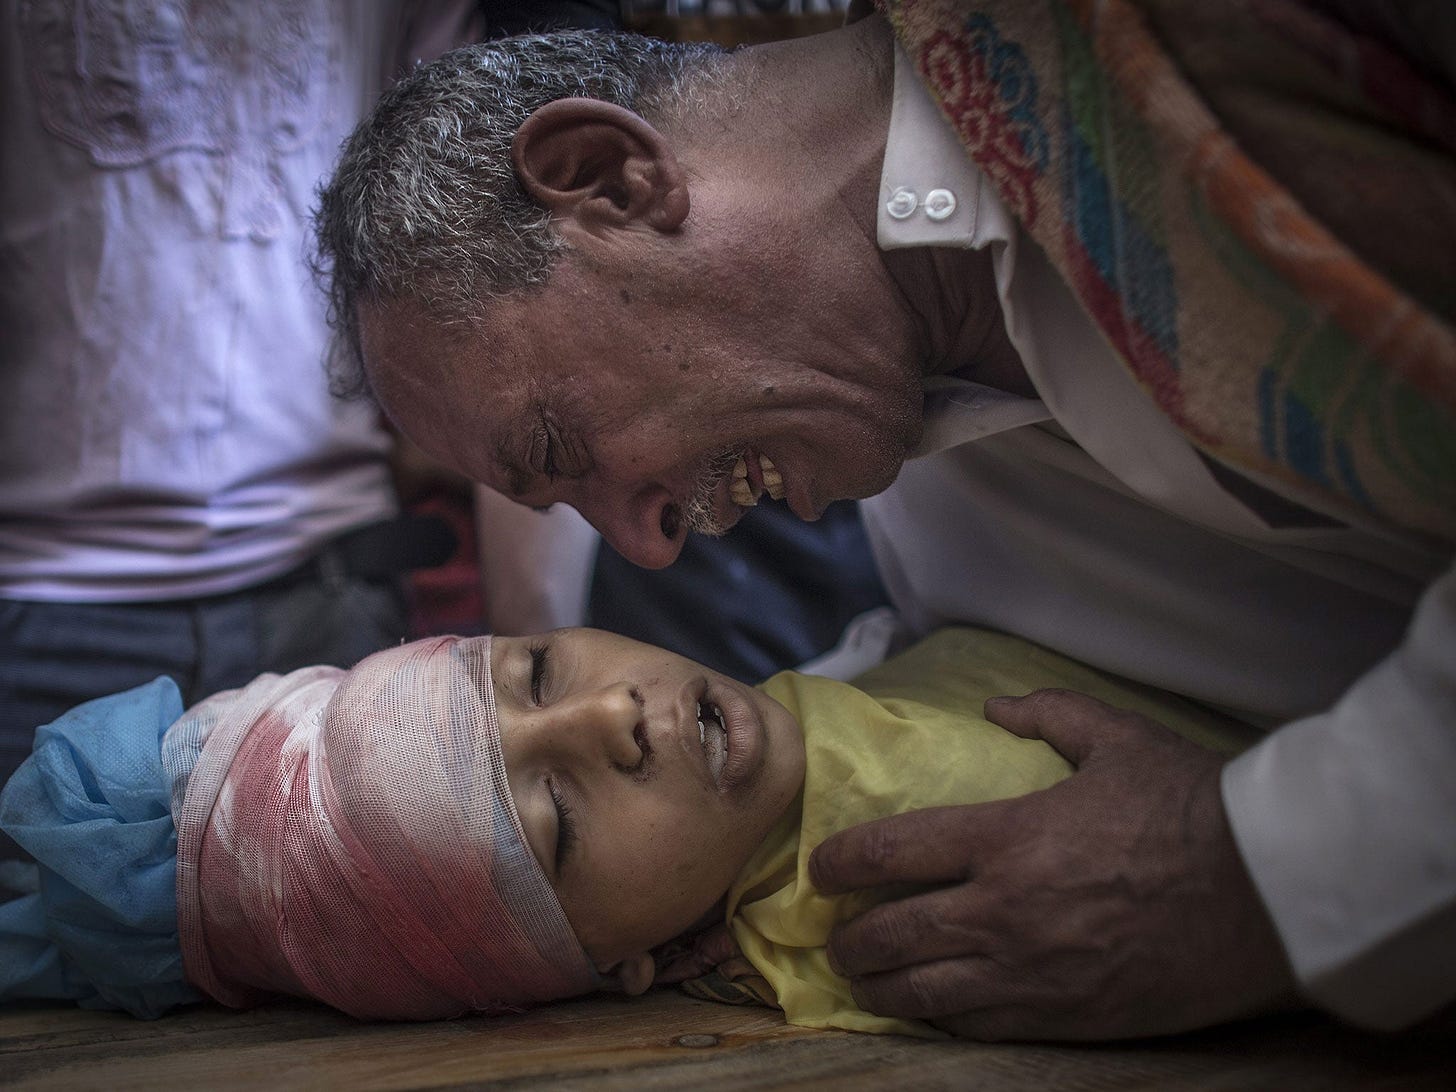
1347, 823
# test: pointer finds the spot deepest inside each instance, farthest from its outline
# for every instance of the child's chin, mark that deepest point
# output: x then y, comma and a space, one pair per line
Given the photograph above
786, 746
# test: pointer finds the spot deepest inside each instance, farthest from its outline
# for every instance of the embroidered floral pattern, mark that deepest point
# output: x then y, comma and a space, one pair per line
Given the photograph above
1279, 349
989, 90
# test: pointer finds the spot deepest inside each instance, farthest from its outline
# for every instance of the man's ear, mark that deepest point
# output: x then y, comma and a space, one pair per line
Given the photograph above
635, 974
600, 165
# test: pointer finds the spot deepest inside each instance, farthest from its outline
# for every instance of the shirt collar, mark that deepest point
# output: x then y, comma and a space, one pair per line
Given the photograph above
931, 194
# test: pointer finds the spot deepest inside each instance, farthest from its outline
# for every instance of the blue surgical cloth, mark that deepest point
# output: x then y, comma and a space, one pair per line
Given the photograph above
92, 804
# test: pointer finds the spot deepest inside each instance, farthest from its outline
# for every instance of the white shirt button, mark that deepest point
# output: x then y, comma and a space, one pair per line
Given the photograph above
939, 204
902, 203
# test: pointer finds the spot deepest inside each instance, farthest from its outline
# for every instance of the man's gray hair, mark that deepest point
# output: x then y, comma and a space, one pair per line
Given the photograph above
424, 200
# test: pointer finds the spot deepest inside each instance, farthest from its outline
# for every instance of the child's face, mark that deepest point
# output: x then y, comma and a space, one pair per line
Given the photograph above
639, 803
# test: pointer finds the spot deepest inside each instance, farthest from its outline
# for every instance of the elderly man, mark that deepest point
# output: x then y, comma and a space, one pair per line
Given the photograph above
660, 283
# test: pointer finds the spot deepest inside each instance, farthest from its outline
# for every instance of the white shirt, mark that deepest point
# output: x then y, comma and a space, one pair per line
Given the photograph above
1086, 522
168, 431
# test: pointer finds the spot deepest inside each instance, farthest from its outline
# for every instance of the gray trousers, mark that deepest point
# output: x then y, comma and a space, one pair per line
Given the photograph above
54, 656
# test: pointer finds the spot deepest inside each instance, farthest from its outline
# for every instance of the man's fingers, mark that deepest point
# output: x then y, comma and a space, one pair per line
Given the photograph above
973, 997
708, 950
928, 990
917, 929
996, 1023
1071, 722
933, 845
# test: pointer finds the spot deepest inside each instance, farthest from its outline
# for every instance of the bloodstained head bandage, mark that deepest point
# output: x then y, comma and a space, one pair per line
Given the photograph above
351, 837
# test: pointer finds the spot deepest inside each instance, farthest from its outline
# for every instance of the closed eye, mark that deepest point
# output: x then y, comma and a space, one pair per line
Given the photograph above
538, 670
557, 449
545, 448
565, 825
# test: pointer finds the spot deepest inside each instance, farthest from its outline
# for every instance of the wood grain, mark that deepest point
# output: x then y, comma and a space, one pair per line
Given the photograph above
667, 1040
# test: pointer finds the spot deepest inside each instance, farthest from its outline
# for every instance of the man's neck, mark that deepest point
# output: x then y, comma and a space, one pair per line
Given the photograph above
809, 128
951, 294
838, 90
823, 102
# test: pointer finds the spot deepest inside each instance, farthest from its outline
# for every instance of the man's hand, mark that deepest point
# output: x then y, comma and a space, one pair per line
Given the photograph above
678, 961
1112, 904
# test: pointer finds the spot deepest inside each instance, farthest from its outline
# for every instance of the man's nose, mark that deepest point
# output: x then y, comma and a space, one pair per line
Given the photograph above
647, 527
596, 725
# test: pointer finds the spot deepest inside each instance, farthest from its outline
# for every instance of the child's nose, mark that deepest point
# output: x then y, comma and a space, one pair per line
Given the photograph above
603, 722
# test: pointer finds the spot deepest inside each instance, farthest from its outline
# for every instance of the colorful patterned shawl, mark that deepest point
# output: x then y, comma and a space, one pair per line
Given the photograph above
1154, 149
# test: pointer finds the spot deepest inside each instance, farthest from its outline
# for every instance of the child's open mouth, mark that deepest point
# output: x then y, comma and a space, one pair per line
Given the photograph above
713, 735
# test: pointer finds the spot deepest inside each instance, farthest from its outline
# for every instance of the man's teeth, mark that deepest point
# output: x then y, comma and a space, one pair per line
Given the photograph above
742, 493
773, 481
739, 489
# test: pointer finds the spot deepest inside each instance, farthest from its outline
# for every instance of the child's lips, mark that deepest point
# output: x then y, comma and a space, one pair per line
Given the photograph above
724, 737
745, 740
713, 738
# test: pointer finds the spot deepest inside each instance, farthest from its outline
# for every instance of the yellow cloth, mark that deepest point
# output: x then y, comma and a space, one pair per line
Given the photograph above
909, 734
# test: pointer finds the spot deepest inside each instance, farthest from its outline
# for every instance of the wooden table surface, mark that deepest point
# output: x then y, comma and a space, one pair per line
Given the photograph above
667, 1040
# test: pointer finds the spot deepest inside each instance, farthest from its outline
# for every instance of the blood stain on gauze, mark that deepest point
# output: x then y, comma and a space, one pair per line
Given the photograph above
351, 837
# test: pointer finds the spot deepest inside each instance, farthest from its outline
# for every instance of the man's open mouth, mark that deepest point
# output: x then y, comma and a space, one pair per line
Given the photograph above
752, 477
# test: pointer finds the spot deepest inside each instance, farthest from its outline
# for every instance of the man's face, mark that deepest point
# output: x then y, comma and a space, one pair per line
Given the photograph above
635, 405
643, 781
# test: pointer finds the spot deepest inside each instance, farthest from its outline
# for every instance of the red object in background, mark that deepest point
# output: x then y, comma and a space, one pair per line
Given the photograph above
448, 598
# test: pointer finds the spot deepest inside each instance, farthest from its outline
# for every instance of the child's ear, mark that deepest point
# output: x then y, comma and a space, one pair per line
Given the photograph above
635, 974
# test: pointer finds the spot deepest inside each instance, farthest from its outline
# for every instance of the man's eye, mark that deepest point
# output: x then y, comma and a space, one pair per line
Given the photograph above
538, 671
557, 452
545, 450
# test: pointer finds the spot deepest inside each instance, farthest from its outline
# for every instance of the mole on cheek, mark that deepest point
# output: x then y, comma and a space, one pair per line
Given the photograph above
626, 296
